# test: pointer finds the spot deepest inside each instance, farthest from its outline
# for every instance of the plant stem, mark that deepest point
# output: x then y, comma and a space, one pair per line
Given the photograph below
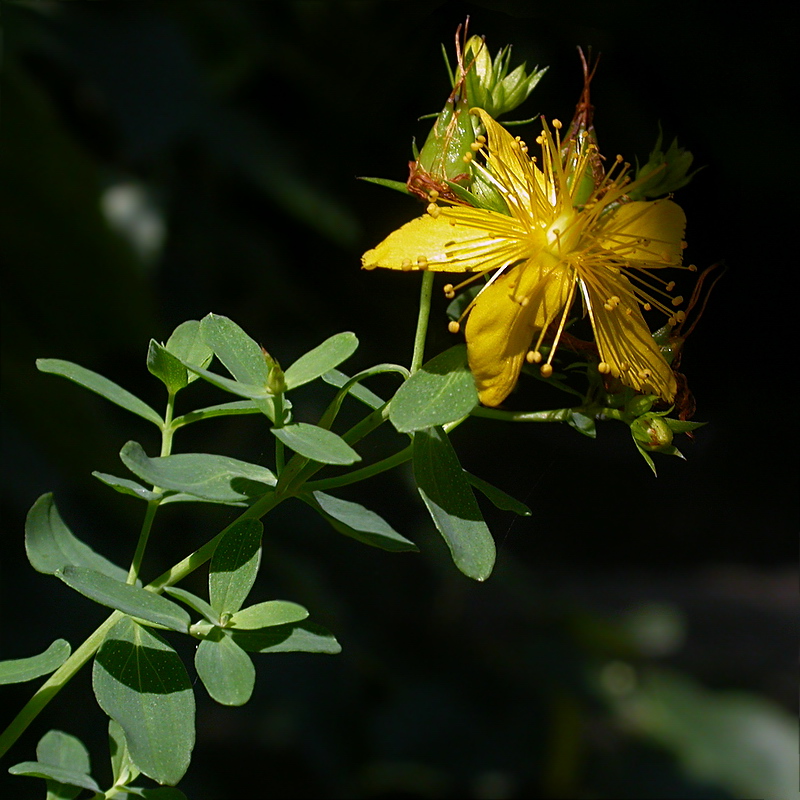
361, 474
425, 291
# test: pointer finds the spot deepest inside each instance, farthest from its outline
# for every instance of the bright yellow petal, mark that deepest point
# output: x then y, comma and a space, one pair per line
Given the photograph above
650, 232
623, 338
458, 240
504, 319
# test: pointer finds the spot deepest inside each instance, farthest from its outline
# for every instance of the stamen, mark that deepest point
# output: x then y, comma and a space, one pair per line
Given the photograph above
533, 357
405, 264
433, 210
546, 370
453, 326
467, 158
678, 300
604, 368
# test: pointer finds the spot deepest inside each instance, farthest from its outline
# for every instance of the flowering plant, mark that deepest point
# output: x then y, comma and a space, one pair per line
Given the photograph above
540, 235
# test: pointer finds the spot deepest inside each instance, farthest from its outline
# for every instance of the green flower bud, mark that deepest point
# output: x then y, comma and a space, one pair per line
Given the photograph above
651, 432
663, 173
640, 404
489, 85
276, 383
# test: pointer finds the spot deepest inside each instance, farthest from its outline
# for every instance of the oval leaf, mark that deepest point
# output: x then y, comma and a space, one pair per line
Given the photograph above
123, 597
19, 670
498, 498
359, 523
225, 670
70, 777
51, 545
447, 494
186, 344
305, 637
316, 443
318, 361
241, 355
141, 683
100, 385
205, 475
267, 614
442, 391
126, 486
234, 566
167, 368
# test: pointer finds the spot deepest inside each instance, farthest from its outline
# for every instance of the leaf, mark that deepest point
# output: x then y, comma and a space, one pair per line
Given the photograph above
126, 486
70, 777
359, 523
321, 359
307, 637
167, 368
51, 545
225, 669
398, 186
268, 614
445, 490
212, 477
19, 670
583, 424
316, 443
100, 385
194, 602
498, 498
233, 408
187, 344
141, 683
234, 566
441, 391
64, 752
241, 355
123, 597
123, 769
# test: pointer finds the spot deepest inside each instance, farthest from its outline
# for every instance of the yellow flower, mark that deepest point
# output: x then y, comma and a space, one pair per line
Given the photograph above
565, 235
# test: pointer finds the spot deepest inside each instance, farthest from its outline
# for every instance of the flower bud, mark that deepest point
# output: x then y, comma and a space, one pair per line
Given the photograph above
651, 432
640, 404
663, 173
276, 383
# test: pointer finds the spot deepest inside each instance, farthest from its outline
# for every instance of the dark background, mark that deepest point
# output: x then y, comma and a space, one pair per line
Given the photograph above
243, 126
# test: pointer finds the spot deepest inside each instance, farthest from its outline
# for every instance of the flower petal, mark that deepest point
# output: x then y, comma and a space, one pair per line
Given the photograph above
457, 240
505, 317
623, 338
650, 232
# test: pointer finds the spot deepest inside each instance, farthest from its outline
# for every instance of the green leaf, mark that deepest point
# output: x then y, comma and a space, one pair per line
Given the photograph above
51, 545
498, 498
233, 408
583, 424
321, 359
64, 752
187, 344
225, 669
122, 767
398, 186
19, 670
446, 492
682, 426
441, 391
62, 775
267, 614
234, 566
358, 523
167, 368
316, 443
241, 355
141, 683
194, 602
102, 386
126, 486
205, 475
159, 793
123, 597
306, 637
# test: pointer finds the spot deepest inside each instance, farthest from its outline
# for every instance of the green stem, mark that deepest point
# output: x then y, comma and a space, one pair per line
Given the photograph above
553, 415
362, 474
425, 291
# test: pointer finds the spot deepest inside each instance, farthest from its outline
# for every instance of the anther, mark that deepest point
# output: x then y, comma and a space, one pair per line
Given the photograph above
692, 267
670, 286
475, 146
433, 194
647, 307
453, 327
644, 374
680, 316
557, 124
546, 370
467, 158
677, 300
433, 210
522, 300
604, 368
405, 264
533, 357
422, 261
